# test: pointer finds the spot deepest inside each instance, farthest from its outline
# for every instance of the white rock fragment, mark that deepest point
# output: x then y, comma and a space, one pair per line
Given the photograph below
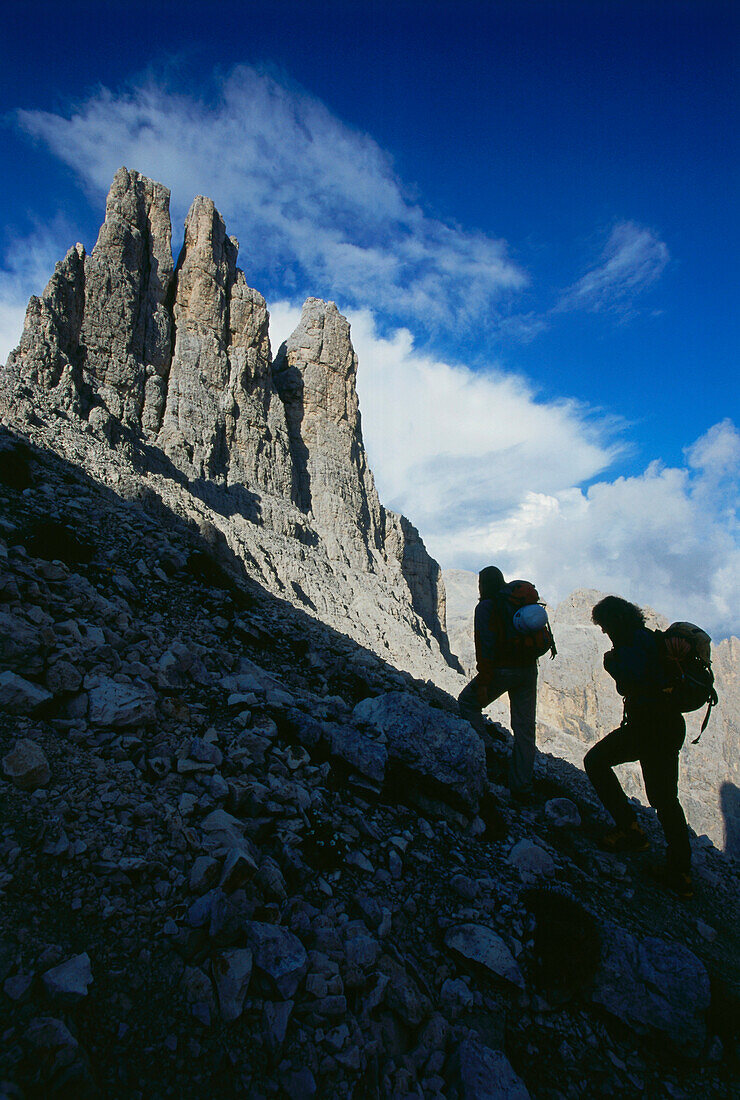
232, 971
480, 945
19, 696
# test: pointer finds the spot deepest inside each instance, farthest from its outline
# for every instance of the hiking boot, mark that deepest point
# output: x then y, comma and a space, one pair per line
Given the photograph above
629, 838
678, 882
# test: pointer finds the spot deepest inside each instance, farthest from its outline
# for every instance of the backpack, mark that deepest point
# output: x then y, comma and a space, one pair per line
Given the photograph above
514, 647
690, 677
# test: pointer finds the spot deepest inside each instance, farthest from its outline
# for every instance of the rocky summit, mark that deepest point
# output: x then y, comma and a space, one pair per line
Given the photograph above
247, 846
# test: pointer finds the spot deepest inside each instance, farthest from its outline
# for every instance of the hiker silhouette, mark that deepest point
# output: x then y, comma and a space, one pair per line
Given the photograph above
505, 665
652, 731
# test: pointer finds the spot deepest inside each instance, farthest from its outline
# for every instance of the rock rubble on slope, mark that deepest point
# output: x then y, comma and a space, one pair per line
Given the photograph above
233, 879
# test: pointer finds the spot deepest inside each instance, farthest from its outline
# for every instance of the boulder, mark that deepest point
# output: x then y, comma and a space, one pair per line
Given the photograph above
26, 765
231, 973
429, 741
654, 985
562, 813
477, 944
68, 982
485, 1074
19, 696
279, 955
120, 705
531, 860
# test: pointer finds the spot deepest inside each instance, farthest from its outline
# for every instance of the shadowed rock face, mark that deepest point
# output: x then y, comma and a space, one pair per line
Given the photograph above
49, 353
315, 374
180, 361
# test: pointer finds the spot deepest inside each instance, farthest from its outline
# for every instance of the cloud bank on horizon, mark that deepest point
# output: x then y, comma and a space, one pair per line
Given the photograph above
481, 464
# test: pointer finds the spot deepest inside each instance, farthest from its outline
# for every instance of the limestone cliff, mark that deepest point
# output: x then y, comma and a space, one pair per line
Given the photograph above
170, 369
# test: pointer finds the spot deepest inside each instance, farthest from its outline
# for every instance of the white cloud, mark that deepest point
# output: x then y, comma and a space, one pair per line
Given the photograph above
25, 270
669, 538
633, 258
450, 446
314, 198
490, 474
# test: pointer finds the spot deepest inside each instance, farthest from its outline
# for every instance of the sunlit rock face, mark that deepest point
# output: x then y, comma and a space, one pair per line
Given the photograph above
171, 366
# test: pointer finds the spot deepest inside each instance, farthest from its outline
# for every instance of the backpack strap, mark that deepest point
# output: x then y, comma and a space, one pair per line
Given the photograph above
713, 700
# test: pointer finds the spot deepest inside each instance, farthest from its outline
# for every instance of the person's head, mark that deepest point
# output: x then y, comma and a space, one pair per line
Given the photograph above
490, 581
618, 618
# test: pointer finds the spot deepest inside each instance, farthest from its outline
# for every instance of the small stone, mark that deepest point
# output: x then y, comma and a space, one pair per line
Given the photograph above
232, 971
706, 931
26, 765
18, 987
68, 982
562, 813
63, 677
276, 1018
204, 752
455, 993
299, 1084
357, 859
465, 886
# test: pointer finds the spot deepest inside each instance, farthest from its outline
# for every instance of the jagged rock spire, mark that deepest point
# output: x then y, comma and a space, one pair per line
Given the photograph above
49, 352
126, 331
222, 419
315, 374
182, 358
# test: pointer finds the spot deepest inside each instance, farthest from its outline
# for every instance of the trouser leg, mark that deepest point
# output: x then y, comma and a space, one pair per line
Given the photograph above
523, 706
478, 694
660, 772
617, 747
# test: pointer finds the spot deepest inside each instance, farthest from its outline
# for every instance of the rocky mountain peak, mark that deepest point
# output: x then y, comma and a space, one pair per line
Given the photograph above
175, 364
126, 330
315, 373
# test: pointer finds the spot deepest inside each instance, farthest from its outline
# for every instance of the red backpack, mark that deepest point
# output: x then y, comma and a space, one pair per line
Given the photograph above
515, 649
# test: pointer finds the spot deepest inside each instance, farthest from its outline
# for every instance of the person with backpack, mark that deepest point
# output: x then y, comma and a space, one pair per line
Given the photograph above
652, 731
506, 661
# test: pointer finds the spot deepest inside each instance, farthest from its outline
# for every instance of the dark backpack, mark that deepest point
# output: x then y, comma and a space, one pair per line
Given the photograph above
690, 677
514, 648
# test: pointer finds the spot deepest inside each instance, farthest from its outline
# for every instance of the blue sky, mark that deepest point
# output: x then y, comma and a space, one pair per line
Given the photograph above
527, 207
